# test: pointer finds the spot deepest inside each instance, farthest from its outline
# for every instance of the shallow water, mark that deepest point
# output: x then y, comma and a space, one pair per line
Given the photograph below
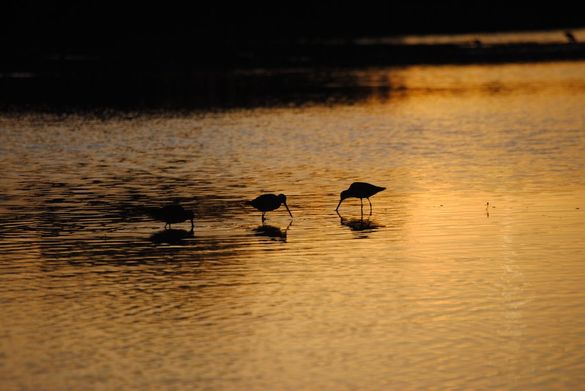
434, 290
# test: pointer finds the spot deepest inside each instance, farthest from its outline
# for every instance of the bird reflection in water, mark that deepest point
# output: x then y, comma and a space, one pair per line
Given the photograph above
360, 224
272, 232
171, 236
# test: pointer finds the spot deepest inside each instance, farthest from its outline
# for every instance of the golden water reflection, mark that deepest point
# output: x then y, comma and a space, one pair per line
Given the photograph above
432, 289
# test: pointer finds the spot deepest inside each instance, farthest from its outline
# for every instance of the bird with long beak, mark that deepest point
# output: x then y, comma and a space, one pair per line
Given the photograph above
267, 202
171, 214
359, 190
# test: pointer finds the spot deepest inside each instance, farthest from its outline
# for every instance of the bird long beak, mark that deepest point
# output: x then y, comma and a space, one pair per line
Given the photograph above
286, 206
338, 205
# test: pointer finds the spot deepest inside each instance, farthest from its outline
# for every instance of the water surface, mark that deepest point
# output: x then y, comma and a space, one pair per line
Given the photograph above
435, 290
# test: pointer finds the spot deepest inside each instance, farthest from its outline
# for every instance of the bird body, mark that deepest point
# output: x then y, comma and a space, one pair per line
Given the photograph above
171, 214
268, 202
360, 190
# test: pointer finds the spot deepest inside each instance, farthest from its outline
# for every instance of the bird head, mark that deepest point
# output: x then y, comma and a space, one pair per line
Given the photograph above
282, 199
344, 194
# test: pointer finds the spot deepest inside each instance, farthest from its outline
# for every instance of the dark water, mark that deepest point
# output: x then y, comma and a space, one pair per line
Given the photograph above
433, 290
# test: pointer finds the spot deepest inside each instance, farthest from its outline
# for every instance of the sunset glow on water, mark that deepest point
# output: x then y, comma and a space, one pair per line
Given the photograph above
440, 290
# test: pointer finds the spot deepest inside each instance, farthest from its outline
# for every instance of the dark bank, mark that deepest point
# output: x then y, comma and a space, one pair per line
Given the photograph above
73, 56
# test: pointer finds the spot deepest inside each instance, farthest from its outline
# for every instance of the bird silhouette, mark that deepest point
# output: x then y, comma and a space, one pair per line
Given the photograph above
171, 214
267, 202
360, 190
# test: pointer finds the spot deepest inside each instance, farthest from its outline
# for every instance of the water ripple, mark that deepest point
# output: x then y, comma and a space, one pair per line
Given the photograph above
437, 287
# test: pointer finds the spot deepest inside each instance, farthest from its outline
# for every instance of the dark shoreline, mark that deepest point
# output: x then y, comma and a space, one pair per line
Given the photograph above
276, 55
238, 77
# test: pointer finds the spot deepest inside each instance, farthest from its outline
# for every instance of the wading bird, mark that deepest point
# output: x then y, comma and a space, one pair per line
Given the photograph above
360, 190
267, 202
171, 214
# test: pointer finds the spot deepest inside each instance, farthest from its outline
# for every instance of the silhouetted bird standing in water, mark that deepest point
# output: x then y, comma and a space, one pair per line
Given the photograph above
360, 190
171, 214
267, 202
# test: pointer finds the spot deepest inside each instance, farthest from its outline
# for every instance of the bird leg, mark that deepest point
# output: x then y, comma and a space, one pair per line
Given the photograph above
362, 207
263, 218
370, 206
